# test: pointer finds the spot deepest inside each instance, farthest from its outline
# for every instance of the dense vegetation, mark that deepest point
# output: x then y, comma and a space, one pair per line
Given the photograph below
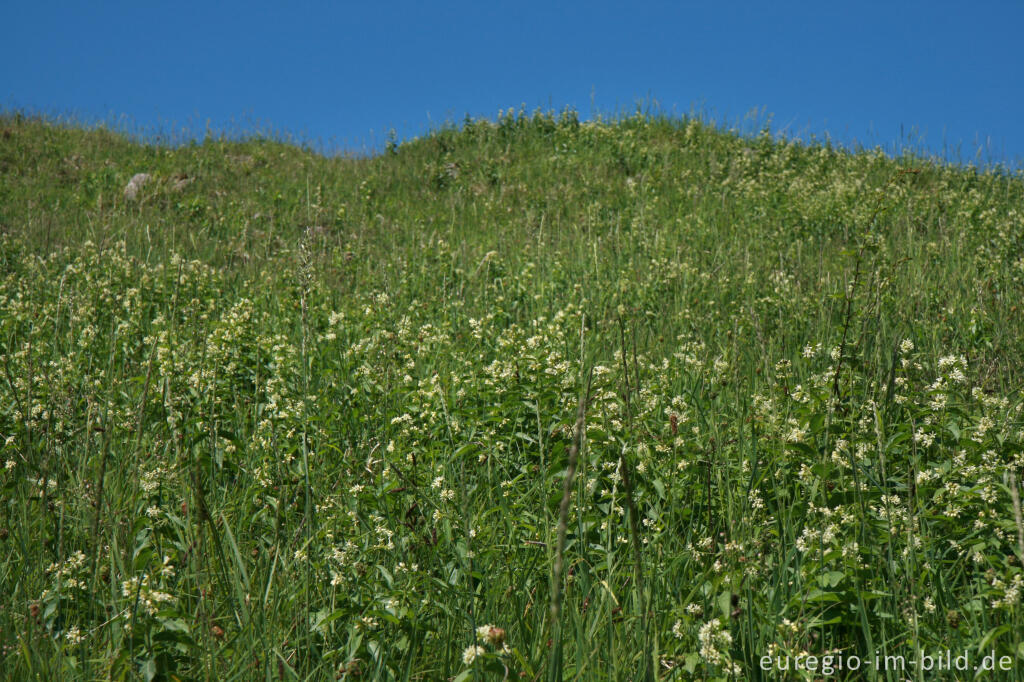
528, 398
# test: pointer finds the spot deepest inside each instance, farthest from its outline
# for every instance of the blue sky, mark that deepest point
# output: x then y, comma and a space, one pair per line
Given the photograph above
943, 76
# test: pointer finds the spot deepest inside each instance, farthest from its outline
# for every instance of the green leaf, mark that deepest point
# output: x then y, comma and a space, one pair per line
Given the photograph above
802, 447
148, 669
235, 555
831, 579
463, 450
725, 604
176, 625
388, 578
328, 619
659, 487
820, 595
991, 635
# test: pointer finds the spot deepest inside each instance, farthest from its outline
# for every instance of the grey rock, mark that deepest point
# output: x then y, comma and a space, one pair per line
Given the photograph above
131, 190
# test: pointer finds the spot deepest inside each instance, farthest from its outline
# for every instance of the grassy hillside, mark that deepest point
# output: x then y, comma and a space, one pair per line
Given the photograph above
533, 399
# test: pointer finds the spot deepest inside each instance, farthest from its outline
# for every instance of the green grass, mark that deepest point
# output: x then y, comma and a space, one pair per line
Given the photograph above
285, 416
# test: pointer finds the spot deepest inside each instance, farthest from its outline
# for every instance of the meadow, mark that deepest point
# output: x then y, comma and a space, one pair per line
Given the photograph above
527, 398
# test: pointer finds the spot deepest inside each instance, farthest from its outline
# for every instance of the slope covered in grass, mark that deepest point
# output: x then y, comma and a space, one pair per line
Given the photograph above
282, 416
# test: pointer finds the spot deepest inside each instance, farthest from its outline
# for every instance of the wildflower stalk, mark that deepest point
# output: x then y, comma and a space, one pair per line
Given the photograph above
855, 281
1018, 517
304, 278
14, 394
627, 484
850, 294
555, 670
101, 479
